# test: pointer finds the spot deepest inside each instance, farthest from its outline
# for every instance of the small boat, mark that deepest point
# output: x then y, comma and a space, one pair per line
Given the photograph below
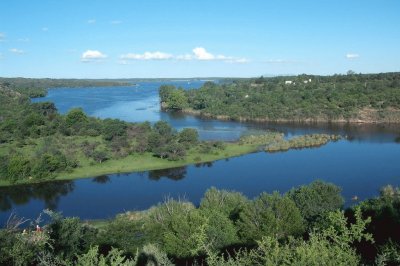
354, 198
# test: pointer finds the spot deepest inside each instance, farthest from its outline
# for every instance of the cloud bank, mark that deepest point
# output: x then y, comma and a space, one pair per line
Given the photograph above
198, 53
92, 56
147, 56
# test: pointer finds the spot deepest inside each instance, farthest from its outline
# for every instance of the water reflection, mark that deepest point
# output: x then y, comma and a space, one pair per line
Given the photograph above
103, 179
206, 164
176, 173
48, 192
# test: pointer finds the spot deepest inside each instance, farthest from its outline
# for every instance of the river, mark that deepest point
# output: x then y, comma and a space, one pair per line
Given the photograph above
367, 160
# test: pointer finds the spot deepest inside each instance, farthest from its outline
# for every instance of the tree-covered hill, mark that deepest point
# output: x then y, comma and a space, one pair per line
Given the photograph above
339, 98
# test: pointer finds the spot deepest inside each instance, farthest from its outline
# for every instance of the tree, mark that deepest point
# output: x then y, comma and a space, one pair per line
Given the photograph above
173, 98
100, 156
163, 128
188, 136
75, 115
18, 167
316, 199
270, 215
228, 202
113, 128
177, 223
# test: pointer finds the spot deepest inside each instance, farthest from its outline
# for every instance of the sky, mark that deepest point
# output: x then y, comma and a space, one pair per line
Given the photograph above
187, 38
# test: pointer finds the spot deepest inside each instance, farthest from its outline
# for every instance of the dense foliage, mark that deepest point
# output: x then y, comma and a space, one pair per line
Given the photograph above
305, 226
37, 142
352, 97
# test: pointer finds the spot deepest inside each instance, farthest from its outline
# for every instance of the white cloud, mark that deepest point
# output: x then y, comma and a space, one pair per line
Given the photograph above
115, 22
352, 56
2, 36
45, 29
198, 53
147, 56
91, 21
92, 56
16, 51
201, 54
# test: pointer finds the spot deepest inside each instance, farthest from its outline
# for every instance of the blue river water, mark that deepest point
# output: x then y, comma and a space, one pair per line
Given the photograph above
361, 164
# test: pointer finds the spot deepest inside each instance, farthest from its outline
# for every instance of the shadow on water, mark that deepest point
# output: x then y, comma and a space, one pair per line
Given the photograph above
103, 179
48, 192
176, 173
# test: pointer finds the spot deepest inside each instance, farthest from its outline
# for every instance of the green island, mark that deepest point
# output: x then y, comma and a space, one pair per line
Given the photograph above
305, 226
351, 98
38, 144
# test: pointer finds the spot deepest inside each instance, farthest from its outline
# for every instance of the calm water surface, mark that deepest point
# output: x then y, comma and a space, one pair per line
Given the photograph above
362, 164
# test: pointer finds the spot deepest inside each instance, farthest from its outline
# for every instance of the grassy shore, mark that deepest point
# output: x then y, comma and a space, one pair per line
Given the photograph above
144, 162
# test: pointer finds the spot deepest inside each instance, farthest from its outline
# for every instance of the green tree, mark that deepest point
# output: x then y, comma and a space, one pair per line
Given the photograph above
18, 167
75, 116
228, 202
317, 198
188, 136
270, 215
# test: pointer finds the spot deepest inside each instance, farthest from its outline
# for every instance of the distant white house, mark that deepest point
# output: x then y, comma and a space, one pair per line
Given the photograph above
288, 82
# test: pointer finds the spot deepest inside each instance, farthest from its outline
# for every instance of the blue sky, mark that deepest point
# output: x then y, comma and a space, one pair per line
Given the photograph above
132, 39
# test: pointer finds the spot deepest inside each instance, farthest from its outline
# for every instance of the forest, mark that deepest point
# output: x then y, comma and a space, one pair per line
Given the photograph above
366, 98
305, 226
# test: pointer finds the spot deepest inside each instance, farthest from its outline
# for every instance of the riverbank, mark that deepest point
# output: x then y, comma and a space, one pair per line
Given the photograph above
370, 116
270, 142
143, 162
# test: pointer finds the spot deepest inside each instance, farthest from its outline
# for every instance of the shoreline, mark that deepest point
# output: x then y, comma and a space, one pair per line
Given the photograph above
142, 163
353, 121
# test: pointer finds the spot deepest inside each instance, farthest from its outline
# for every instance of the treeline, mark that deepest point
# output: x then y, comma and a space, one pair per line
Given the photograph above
45, 83
304, 226
38, 87
37, 142
341, 98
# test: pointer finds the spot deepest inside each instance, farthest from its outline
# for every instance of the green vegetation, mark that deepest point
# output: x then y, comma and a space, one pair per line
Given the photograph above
39, 144
303, 98
306, 141
45, 83
274, 142
305, 226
